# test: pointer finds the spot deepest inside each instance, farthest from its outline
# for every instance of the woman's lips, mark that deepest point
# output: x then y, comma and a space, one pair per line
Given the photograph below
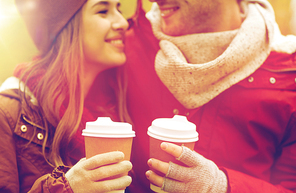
116, 42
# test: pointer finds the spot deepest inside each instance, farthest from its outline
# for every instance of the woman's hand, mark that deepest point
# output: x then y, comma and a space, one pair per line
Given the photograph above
200, 175
90, 175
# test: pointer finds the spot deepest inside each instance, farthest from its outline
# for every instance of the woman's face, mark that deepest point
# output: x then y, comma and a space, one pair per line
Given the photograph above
103, 29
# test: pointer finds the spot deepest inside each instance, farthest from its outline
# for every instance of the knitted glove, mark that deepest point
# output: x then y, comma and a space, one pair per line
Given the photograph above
100, 173
201, 176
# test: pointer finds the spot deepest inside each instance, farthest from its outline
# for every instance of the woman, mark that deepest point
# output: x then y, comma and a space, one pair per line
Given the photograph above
45, 106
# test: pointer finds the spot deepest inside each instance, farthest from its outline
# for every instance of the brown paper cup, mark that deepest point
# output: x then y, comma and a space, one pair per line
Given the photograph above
99, 145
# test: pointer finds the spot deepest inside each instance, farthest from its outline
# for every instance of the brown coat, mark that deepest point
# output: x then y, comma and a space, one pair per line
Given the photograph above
21, 158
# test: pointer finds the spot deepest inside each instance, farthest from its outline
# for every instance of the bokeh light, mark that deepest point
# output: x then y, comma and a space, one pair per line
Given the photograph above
8, 13
16, 45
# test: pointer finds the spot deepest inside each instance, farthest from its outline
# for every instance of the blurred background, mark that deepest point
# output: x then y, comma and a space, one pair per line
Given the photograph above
16, 45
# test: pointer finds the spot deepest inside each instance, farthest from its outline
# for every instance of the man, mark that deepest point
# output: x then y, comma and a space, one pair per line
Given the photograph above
225, 66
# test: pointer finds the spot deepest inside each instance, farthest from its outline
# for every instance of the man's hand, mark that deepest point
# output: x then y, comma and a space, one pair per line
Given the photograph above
200, 175
163, 167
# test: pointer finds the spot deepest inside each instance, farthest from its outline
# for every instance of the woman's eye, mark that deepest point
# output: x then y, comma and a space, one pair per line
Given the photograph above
103, 12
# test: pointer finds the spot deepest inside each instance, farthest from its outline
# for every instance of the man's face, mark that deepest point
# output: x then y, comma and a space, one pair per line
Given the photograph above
181, 17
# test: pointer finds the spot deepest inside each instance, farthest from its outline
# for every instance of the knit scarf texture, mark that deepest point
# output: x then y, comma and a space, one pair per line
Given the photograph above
198, 67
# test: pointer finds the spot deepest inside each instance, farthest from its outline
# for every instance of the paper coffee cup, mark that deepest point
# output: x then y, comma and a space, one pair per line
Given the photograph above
177, 130
104, 135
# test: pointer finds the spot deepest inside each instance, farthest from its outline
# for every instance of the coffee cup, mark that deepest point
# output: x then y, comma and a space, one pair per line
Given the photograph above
177, 130
104, 135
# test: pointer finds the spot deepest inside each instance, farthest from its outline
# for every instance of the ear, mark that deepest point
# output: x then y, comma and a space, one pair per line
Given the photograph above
243, 8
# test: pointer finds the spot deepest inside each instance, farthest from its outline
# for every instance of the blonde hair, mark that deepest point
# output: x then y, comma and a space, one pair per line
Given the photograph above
62, 83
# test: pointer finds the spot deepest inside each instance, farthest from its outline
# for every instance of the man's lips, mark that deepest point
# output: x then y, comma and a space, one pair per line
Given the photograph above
167, 12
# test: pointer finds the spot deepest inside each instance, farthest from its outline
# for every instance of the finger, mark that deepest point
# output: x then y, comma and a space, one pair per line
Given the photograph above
108, 171
81, 160
192, 158
103, 159
170, 170
173, 149
154, 178
174, 186
158, 165
114, 184
179, 173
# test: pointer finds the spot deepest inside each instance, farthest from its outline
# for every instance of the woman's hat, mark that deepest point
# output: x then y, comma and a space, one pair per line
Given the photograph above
46, 18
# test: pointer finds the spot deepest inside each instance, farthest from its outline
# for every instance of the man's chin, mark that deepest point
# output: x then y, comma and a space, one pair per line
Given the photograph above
173, 30
170, 31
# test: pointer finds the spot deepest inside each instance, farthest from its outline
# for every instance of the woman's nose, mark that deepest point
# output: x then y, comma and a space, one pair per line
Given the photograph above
120, 23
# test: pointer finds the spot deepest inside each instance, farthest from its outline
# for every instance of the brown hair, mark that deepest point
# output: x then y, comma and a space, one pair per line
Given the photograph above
62, 82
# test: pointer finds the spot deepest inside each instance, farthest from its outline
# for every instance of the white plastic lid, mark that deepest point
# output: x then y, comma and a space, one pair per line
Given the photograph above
105, 127
176, 129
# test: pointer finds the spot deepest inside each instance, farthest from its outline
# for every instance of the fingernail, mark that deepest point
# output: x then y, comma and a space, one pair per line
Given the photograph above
150, 162
163, 145
148, 174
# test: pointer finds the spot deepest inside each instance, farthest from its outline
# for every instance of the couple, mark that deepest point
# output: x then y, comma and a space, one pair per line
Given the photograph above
221, 63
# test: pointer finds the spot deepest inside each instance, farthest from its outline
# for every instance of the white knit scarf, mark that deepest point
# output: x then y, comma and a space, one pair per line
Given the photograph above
198, 67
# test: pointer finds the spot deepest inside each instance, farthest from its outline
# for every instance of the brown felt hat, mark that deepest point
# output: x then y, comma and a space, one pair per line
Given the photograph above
46, 18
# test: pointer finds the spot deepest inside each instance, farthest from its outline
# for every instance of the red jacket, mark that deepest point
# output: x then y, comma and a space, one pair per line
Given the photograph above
249, 130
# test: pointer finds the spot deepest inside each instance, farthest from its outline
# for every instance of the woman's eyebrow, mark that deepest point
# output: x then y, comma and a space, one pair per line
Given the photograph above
101, 3
105, 3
